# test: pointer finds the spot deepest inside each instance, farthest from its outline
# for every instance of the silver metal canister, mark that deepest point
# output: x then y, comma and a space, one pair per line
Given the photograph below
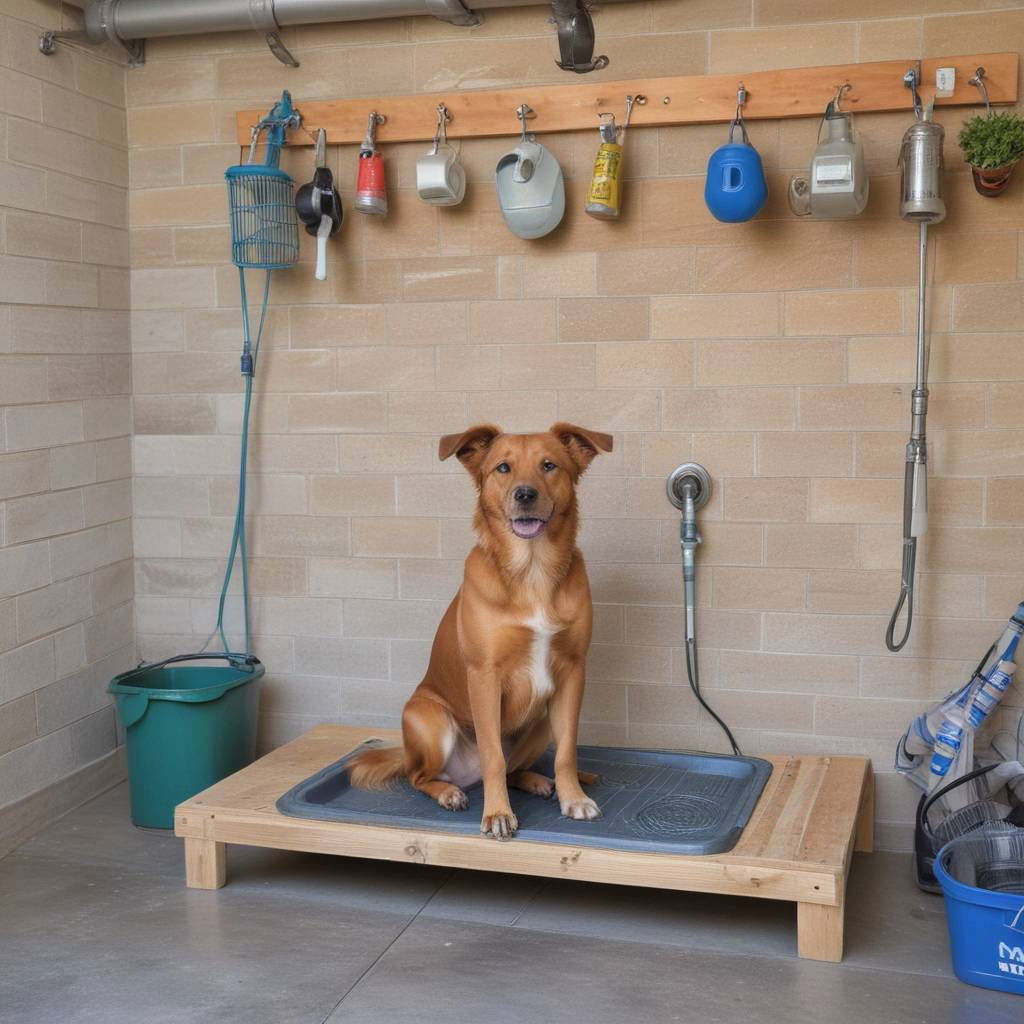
921, 173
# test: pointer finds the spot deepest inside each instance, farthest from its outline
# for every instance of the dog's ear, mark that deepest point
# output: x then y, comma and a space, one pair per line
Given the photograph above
469, 446
582, 444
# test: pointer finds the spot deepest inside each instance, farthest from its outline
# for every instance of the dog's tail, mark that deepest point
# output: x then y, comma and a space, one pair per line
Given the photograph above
378, 768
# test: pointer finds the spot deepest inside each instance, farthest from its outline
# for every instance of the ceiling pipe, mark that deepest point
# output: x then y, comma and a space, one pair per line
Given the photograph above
128, 23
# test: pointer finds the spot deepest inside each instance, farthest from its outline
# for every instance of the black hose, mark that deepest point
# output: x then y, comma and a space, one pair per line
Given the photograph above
693, 674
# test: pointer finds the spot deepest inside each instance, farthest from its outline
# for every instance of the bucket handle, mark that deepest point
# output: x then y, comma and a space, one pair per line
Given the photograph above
926, 804
249, 662
1017, 924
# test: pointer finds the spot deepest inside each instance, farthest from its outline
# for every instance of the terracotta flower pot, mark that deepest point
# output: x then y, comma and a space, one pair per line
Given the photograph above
991, 181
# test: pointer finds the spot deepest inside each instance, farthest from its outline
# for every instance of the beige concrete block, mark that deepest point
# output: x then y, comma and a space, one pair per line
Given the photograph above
515, 411
167, 496
539, 366
219, 330
53, 607
413, 620
27, 668
988, 307
467, 366
861, 717
279, 577
183, 288
171, 124
31, 234
191, 414
769, 362
21, 280
912, 677
298, 536
744, 268
168, 207
442, 278
396, 537
765, 49
722, 543
348, 495
766, 500
795, 673
969, 33
24, 473
331, 326
23, 188
298, 617
1007, 404
980, 255
856, 501
991, 549
1005, 502
624, 583
379, 369
864, 407
344, 412
435, 494
610, 410
531, 321
23, 567
718, 316
427, 323
875, 311
629, 663
648, 364
977, 453
161, 166
558, 274
729, 454
285, 371
429, 579
437, 412
804, 453
386, 453
72, 284
606, 319
811, 545
756, 589
357, 658
673, 212
21, 95
868, 592
729, 409
23, 380
619, 540
17, 723
40, 426
645, 271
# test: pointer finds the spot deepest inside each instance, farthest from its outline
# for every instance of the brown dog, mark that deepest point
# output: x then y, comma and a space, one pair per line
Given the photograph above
507, 668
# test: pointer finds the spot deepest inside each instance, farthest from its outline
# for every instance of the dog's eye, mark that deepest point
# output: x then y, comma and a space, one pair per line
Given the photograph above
503, 467
547, 465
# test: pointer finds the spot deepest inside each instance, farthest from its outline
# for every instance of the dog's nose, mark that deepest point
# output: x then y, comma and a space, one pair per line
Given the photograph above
525, 495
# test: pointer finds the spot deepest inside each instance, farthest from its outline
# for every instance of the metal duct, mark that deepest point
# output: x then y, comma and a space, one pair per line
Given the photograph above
126, 21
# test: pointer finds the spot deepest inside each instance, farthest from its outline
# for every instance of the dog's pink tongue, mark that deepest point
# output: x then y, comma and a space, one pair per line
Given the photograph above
527, 528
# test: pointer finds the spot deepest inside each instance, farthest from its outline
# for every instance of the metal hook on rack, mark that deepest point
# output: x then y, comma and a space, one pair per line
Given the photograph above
912, 79
978, 80
737, 121
524, 112
836, 101
441, 134
632, 101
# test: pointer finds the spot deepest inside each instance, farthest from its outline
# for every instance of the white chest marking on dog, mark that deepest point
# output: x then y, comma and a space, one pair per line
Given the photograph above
540, 651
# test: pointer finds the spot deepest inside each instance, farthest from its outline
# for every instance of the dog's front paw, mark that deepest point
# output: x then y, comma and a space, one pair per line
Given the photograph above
581, 808
499, 825
453, 799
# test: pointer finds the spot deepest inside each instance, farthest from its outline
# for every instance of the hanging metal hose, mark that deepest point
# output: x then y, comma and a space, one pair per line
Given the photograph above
920, 202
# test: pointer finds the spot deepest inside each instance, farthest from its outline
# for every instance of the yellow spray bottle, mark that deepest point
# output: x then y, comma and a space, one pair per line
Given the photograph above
604, 194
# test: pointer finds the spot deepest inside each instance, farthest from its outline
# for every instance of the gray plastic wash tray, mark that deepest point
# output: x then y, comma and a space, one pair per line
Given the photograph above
655, 801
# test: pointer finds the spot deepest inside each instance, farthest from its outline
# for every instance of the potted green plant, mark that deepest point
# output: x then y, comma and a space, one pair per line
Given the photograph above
992, 144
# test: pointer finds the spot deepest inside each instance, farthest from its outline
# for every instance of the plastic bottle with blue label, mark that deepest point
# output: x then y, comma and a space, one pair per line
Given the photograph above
947, 744
991, 692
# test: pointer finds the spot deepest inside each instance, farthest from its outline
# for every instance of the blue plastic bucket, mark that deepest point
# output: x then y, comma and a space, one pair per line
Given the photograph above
986, 926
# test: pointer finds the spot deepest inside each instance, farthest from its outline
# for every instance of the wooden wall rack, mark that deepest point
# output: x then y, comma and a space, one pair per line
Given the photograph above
690, 99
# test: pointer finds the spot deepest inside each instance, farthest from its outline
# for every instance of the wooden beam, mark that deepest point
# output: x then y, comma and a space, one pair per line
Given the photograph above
691, 99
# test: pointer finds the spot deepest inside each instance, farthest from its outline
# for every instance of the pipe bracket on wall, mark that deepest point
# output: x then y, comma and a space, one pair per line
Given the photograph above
454, 12
262, 14
99, 27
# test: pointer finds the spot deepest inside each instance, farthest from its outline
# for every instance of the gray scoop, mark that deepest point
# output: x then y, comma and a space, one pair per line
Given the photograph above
531, 190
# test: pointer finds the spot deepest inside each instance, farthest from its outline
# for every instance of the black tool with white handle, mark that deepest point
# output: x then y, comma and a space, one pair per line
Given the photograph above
319, 205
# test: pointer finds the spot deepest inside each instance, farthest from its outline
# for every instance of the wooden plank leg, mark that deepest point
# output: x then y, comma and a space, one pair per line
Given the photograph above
819, 932
864, 837
206, 865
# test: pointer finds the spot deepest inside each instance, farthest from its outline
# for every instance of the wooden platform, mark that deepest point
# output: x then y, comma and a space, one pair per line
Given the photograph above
814, 812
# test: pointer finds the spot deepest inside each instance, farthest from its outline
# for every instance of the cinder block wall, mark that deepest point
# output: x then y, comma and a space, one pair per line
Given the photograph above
777, 353
65, 420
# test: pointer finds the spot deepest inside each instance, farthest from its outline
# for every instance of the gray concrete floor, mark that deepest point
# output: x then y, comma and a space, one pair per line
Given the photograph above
96, 925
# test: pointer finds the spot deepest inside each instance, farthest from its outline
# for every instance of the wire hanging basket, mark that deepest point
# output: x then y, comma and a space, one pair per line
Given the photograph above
264, 229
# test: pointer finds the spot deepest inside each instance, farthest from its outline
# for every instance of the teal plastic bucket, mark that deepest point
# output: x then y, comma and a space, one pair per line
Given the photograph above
187, 727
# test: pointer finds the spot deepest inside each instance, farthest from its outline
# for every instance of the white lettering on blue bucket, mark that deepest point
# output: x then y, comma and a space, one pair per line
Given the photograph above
1011, 959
